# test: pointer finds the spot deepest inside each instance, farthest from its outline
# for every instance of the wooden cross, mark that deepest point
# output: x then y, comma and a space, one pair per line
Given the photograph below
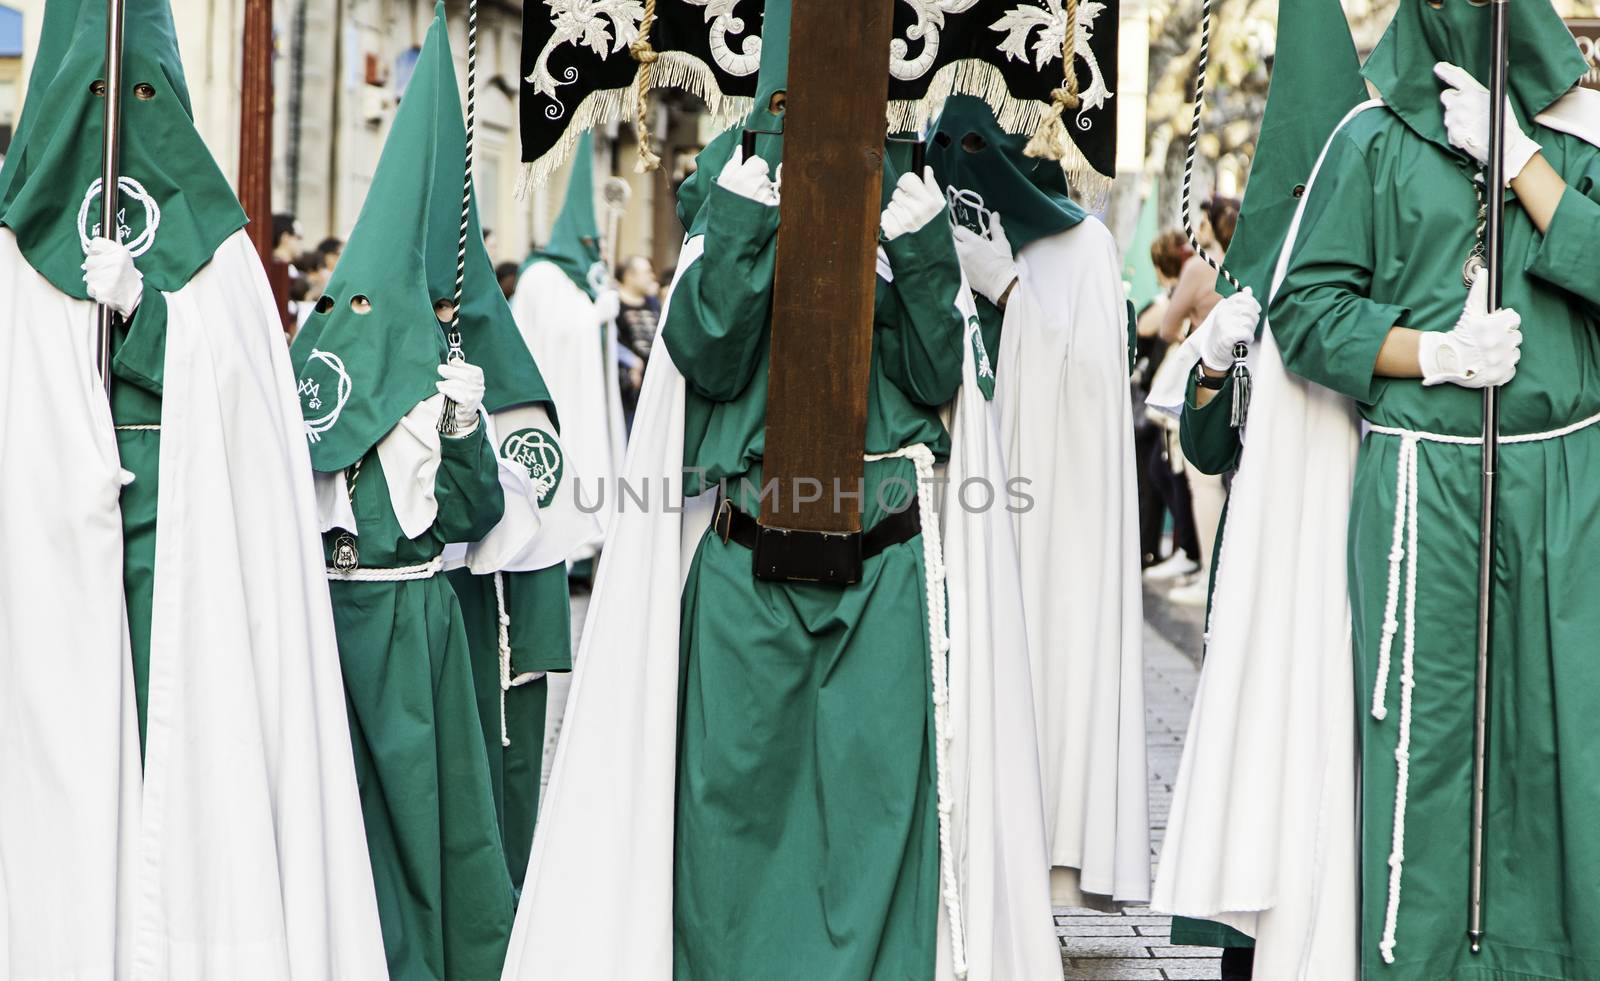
835, 121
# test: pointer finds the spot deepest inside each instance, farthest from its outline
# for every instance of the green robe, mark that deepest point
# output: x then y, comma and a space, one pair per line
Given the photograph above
137, 367
444, 894
1385, 232
538, 606
807, 835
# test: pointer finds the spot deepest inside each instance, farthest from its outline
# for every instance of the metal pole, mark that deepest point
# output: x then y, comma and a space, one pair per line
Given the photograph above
1495, 270
108, 175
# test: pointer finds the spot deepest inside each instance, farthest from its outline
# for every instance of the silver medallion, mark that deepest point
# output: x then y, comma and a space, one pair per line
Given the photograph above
345, 556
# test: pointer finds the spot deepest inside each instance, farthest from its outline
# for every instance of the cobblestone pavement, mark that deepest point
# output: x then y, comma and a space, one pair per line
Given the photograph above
1134, 944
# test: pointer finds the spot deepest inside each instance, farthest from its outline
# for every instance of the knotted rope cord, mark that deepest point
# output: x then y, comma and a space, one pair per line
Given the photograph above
646, 56
1241, 374
447, 421
1050, 140
939, 644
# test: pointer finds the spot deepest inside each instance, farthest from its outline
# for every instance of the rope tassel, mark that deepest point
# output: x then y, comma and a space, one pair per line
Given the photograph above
1050, 141
646, 56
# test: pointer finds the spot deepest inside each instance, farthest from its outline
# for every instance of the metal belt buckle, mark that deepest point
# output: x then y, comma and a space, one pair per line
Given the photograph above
722, 524
784, 555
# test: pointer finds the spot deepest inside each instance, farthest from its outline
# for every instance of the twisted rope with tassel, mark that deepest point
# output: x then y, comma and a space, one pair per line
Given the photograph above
447, 421
646, 56
1241, 372
1050, 141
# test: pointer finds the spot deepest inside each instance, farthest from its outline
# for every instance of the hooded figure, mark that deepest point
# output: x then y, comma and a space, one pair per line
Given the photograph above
1368, 547
404, 468
1251, 791
759, 766
567, 311
173, 585
1050, 296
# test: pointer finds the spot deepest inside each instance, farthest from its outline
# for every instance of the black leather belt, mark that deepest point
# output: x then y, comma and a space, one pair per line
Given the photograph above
801, 556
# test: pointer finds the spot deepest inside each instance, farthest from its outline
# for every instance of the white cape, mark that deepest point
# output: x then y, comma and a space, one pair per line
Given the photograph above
577, 355
1067, 430
1263, 830
242, 855
598, 897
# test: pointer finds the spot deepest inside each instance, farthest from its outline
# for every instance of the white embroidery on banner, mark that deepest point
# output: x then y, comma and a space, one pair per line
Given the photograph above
719, 14
605, 27
1050, 21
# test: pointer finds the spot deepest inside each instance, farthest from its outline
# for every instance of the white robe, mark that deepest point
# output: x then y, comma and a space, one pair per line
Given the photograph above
598, 897
1263, 830
241, 854
576, 353
1067, 429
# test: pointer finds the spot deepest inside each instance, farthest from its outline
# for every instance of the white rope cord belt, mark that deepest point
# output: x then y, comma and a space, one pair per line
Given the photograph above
148, 428
939, 643
507, 682
426, 570
1403, 552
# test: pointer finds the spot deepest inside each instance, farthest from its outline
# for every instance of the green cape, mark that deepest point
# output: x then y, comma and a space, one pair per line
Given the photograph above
1544, 58
1316, 80
574, 244
360, 373
1030, 194
176, 205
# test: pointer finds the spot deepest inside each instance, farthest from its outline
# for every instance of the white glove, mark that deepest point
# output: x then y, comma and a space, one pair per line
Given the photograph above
1232, 321
915, 202
462, 383
607, 304
1466, 120
987, 260
1482, 350
111, 277
749, 178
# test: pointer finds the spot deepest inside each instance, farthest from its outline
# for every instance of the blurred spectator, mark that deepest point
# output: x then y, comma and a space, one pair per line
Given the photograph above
1161, 458
507, 273
640, 294
1192, 300
285, 240
331, 248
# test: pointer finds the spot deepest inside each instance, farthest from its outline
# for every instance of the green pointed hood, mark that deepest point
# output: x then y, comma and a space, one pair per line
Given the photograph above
1543, 56
489, 335
1316, 80
176, 206
372, 349
575, 237
984, 169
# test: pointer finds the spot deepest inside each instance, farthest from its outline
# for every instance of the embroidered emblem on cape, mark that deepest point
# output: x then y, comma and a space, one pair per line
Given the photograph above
345, 556
980, 358
538, 452
138, 240
599, 276
967, 210
325, 380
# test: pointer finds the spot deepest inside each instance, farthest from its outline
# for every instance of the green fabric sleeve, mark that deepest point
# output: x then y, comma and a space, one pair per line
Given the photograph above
1565, 256
1329, 328
721, 306
921, 340
1206, 432
467, 488
142, 357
